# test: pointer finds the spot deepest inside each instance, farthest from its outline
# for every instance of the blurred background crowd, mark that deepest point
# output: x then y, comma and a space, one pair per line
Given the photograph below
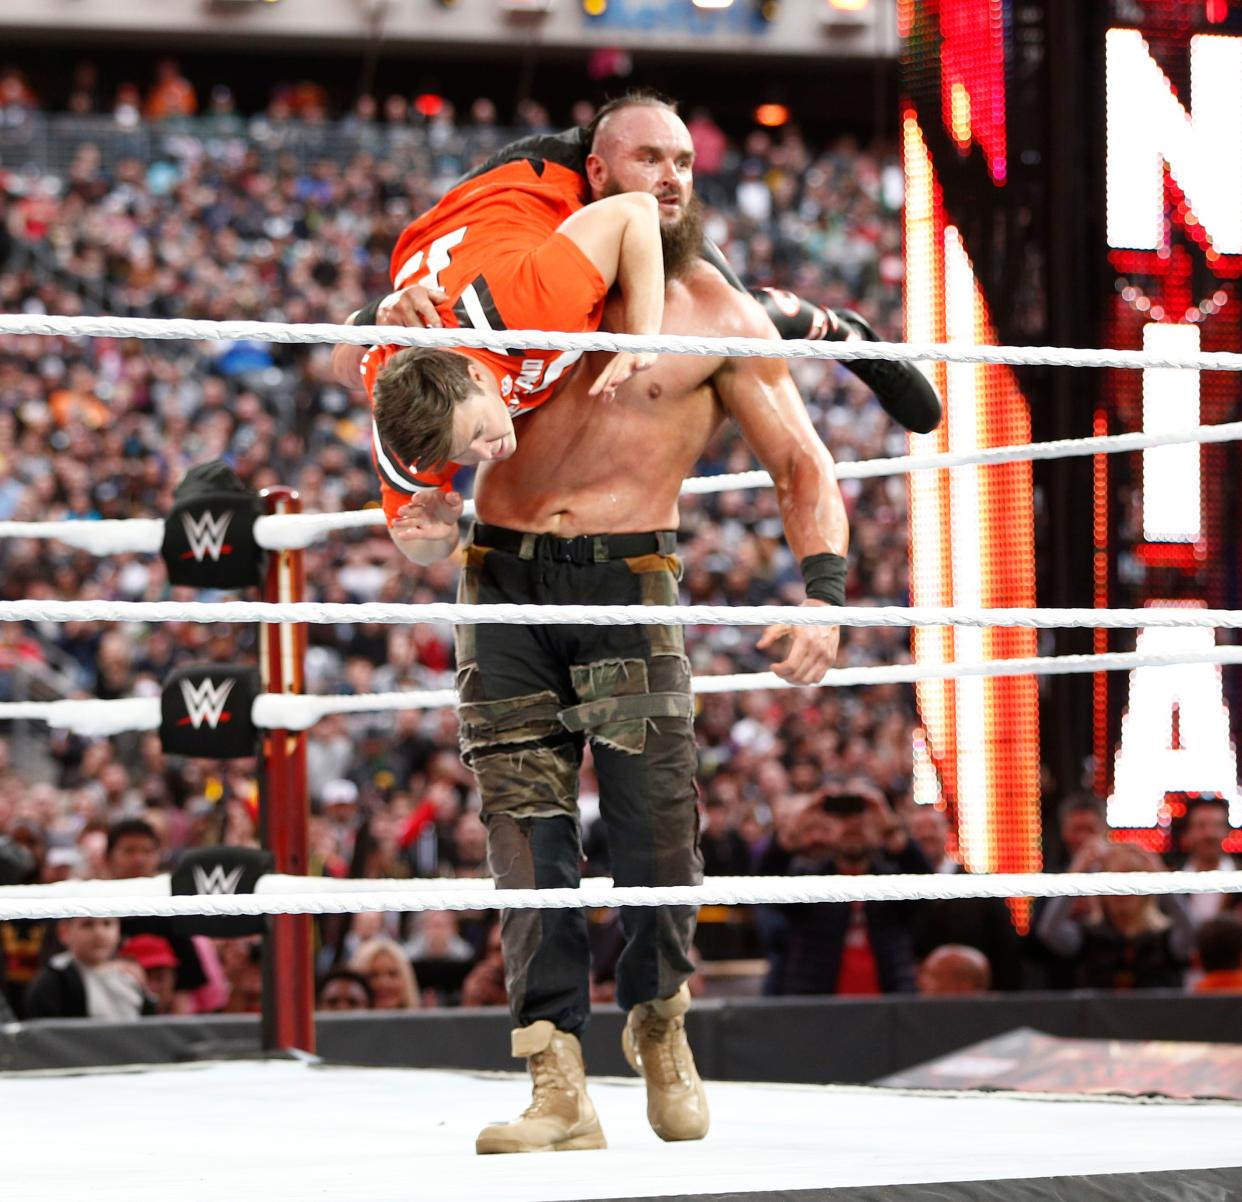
169, 202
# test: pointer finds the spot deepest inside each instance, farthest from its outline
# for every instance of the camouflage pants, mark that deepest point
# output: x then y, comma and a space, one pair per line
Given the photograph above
530, 697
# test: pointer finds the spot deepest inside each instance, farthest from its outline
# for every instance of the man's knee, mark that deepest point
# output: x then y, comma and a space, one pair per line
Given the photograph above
534, 853
525, 761
528, 782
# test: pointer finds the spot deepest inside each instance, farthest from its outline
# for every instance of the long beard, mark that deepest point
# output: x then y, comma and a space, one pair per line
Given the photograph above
683, 240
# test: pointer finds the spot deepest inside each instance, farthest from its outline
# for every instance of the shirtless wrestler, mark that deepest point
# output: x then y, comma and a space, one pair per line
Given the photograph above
585, 510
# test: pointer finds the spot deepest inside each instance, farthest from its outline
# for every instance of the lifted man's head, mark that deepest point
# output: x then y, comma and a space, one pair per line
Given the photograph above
434, 407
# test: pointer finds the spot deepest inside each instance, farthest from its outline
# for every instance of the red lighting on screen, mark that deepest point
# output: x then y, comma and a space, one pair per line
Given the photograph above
972, 81
972, 543
1164, 523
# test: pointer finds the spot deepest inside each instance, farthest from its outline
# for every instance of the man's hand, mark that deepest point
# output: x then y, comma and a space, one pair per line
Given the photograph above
429, 517
132, 969
814, 831
1090, 856
412, 306
619, 369
811, 651
883, 817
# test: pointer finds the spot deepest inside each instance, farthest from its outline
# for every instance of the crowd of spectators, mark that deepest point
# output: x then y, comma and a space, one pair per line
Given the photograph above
164, 204
102, 968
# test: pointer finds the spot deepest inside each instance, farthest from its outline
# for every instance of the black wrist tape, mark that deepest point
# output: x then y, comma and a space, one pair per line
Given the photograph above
824, 575
368, 315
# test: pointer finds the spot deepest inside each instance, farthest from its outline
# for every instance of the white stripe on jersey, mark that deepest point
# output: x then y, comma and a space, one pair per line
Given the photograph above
397, 476
474, 308
556, 368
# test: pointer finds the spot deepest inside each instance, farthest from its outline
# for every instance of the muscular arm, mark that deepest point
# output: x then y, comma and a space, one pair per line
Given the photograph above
759, 394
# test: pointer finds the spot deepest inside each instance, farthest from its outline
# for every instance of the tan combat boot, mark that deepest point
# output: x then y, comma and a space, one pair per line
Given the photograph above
560, 1117
655, 1044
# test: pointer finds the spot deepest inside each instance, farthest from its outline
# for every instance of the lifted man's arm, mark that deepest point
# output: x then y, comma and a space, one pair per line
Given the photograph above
760, 395
621, 237
426, 527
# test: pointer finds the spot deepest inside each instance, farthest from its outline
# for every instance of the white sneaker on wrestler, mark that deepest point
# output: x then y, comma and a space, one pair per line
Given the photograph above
560, 1117
655, 1044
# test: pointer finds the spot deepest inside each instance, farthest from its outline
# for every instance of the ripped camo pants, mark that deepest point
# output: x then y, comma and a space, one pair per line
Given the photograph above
530, 697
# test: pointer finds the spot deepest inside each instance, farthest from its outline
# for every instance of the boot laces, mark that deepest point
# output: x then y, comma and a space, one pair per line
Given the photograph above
548, 1078
664, 1037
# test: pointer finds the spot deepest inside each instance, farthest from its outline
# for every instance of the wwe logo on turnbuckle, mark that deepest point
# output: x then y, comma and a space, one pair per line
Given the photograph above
217, 880
204, 702
205, 534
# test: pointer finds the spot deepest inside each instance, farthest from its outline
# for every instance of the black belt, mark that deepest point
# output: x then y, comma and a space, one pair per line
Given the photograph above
583, 548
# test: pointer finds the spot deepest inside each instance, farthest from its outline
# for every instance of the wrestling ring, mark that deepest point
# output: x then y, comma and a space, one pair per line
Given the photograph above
298, 1129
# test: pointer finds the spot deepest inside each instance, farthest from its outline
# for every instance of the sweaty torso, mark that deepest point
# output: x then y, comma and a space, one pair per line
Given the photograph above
585, 466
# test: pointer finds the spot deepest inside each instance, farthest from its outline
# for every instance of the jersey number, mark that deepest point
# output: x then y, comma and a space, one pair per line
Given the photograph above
439, 254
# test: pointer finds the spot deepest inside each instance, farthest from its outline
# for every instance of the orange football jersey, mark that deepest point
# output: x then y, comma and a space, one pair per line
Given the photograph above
491, 245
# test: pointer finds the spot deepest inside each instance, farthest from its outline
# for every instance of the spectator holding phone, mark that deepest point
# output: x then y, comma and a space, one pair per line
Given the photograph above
855, 948
1122, 942
1082, 837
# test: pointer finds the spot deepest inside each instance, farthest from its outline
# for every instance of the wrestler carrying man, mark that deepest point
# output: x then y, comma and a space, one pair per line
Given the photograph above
585, 510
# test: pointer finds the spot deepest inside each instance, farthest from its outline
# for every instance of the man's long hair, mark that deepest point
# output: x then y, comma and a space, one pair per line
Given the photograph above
415, 397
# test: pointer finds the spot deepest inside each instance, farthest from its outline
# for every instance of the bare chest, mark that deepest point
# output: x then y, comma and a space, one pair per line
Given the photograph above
583, 464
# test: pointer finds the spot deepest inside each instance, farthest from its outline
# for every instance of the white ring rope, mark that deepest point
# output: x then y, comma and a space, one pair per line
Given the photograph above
286, 711
728, 891
111, 536
502, 340
295, 531
1061, 448
89, 717
285, 531
393, 613
273, 882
